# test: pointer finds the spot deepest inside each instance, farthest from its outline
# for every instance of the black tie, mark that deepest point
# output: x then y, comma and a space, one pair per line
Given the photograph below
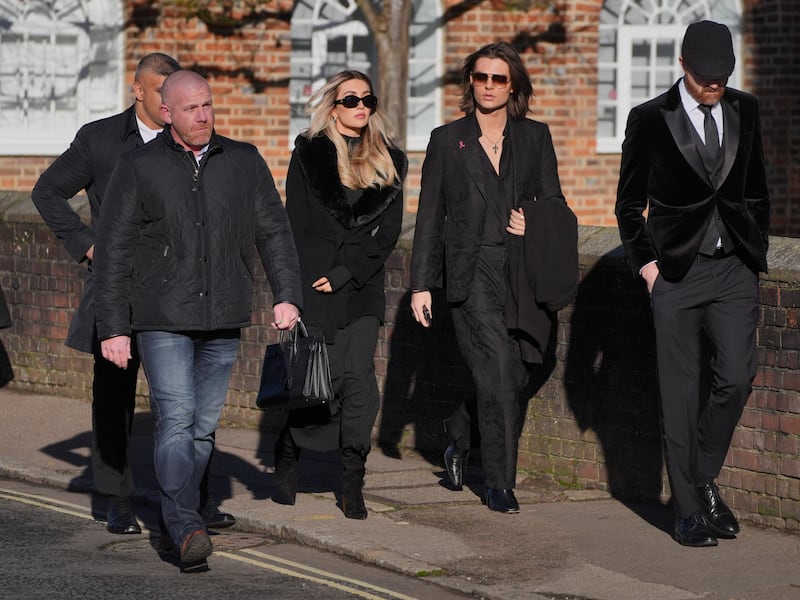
710, 130
716, 229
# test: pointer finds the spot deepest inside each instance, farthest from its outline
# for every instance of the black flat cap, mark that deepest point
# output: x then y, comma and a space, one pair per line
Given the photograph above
708, 50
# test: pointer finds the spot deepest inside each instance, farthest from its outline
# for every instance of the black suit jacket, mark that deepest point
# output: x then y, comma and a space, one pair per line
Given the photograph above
662, 171
86, 165
452, 201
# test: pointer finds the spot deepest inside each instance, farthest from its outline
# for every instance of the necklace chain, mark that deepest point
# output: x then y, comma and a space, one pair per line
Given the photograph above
495, 147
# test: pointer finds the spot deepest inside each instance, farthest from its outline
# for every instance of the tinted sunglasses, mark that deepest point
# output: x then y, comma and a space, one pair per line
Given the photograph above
479, 77
370, 101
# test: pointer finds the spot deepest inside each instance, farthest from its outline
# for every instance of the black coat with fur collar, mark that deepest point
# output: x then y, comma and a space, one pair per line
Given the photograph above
347, 242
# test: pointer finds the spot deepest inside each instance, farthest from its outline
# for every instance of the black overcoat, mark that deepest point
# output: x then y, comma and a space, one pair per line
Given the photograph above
86, 165
348, 243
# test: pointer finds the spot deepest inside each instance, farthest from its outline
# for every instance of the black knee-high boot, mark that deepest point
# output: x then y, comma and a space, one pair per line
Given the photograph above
353, 469
284, 480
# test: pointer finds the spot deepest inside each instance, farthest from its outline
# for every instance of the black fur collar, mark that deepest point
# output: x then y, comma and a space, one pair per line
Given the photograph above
317, 157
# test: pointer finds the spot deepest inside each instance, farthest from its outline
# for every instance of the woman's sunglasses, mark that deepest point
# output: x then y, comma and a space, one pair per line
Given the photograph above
479, 77
370, 101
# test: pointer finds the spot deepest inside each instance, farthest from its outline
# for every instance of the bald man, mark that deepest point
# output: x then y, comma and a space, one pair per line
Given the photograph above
184, 219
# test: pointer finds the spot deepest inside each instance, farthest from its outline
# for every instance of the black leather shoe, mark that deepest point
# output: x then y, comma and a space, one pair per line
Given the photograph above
214, 518
719, 517
694, 531
503, 501
121, 518
454, 461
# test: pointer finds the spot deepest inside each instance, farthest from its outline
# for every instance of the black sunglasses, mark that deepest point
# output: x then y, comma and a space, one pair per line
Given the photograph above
370, 101
484, 77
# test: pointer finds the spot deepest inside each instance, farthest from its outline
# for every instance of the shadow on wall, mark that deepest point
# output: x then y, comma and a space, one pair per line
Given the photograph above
6, 372
610, 377
426, 379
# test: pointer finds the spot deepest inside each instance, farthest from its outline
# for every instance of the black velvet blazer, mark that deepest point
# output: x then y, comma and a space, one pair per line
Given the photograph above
452, 201
86, 165
662, 171
347, 243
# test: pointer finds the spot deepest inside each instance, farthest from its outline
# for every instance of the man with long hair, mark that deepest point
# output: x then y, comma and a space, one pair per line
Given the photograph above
483, 175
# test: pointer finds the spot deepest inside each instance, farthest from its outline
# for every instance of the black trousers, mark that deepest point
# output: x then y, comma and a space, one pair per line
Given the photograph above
493, 358
113, 403
351, 357
717, 299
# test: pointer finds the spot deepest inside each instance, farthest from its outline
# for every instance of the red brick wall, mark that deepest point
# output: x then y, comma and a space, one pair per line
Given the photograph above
249, 71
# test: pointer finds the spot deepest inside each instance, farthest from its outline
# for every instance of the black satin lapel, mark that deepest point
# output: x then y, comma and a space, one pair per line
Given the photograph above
680, 128
731, 123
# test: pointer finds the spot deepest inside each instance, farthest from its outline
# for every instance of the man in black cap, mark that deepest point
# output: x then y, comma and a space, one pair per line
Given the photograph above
692, 158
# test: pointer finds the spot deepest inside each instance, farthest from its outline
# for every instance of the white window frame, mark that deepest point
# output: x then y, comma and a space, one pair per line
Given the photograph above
313, 65
93, 33
662, 22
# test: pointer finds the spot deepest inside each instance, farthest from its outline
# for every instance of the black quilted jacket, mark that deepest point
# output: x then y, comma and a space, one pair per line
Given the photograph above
176, 247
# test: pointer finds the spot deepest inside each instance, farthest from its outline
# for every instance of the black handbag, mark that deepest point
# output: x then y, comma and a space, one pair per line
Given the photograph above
296, 372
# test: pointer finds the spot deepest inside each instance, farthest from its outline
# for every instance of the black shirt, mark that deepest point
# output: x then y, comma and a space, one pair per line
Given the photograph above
499, 195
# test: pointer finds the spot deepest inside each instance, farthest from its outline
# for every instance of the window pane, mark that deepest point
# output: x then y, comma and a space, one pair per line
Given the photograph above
606, 121
640, 53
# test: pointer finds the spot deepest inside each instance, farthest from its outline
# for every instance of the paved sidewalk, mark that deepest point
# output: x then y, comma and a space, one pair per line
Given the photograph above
563, 544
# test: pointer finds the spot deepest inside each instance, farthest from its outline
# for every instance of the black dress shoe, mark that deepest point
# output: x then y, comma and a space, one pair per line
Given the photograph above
719, 517
693, 531
121, 518
502, 500
214, 518
454, 461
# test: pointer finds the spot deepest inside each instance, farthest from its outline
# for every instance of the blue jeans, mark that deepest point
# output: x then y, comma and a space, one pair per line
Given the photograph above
188, 375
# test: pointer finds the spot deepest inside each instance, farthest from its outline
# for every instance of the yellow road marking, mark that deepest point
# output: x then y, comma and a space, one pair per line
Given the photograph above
43, 498
297, 565
86, 516
297, 575
325, 578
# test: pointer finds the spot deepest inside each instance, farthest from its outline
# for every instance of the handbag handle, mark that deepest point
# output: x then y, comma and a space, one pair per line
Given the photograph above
299, 327
292, 342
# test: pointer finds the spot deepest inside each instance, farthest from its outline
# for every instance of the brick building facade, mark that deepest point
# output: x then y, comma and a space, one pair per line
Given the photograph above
249, 67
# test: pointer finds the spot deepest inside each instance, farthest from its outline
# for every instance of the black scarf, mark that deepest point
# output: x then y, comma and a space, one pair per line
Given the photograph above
318, 161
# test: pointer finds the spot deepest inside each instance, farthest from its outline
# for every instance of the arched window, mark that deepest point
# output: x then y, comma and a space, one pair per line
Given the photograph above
640, 42
60, 66
331, 35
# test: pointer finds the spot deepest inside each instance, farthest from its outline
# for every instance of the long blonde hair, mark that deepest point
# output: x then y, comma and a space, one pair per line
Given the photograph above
369, 164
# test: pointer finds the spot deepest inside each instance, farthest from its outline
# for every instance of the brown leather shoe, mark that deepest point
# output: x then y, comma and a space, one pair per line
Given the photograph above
195, 548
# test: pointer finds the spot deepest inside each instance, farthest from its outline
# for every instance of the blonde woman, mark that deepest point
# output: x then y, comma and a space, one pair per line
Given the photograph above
345, 203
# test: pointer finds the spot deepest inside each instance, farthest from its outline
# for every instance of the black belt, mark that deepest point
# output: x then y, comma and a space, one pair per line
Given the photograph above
718, 254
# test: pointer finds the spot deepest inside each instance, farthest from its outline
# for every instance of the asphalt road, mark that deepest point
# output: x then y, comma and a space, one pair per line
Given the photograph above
51, 547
